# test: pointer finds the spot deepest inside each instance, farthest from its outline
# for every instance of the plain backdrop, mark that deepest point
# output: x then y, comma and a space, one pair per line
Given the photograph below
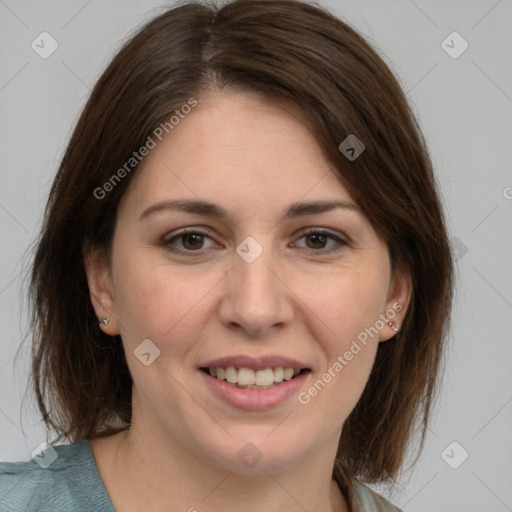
464, 105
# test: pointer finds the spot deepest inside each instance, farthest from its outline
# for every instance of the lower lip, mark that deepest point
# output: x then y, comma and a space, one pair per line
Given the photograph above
255, 399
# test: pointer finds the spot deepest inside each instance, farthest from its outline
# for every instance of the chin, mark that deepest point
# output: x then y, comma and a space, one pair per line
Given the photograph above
252, 452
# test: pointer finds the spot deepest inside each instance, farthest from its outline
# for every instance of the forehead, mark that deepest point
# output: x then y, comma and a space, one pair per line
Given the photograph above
241, 149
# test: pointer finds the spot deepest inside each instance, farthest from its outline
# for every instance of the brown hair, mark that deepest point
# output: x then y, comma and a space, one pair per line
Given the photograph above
289, 51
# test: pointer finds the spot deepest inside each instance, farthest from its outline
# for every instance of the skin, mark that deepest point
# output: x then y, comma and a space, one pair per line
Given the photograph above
253, 157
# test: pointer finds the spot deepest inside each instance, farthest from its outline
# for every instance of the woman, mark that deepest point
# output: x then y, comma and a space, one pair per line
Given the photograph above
243, 281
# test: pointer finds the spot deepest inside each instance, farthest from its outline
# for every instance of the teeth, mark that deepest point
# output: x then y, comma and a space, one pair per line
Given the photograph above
231, 375
278, 374
246, 377
264, 377
253, 379
288, 373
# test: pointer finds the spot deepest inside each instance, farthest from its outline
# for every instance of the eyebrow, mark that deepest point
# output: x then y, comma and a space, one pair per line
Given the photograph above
208, 209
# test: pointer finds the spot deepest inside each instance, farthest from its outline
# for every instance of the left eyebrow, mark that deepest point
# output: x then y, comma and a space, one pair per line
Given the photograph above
315, 207
208, 209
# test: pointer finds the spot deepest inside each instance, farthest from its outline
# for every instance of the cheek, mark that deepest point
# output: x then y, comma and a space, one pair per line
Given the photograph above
347, 310
158, 301
347, 303
332, 396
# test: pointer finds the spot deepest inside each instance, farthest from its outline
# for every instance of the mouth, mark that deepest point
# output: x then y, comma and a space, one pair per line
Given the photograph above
254, 389
255, 383
257, 379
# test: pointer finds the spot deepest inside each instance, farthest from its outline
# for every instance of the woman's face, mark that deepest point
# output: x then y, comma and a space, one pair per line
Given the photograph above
282, 279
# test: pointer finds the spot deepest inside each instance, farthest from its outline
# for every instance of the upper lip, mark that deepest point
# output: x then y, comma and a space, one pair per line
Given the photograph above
256, 363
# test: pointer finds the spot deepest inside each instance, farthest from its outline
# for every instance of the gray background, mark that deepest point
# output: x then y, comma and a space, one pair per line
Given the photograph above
464, 105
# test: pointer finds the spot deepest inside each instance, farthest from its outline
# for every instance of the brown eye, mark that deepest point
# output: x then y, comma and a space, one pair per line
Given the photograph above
192, 241
187, 241
321, 241
318, 241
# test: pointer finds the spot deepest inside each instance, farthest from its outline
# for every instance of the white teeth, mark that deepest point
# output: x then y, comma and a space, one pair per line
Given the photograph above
264, 377
231, 375
247, 377
278, 374
288, 373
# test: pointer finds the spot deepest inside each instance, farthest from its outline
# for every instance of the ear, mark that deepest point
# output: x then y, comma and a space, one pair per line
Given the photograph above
99, 280
399, 297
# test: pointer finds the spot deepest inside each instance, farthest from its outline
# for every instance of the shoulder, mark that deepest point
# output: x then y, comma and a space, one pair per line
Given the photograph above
368, 500
62, 477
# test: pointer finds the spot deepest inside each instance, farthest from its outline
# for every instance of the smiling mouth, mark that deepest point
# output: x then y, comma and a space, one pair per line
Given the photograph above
247, 378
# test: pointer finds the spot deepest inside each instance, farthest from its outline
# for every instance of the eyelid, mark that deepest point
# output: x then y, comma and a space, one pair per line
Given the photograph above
199, 230
322, 231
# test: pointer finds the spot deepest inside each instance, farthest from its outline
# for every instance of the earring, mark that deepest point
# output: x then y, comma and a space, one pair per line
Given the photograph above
104, 321
393, 326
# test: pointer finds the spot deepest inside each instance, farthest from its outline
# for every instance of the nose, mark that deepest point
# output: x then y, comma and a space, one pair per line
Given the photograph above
255, 298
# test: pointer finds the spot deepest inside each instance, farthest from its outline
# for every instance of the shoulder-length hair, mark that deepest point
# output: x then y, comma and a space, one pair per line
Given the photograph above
286, 50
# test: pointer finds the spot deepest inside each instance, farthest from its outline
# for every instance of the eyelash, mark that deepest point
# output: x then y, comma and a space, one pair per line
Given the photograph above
308, 232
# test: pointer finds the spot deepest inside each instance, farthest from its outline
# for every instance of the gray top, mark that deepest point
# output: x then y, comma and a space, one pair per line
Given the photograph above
65, 478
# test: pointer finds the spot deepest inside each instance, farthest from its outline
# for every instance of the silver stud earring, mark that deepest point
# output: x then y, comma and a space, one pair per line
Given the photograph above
393, 326
104, 321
